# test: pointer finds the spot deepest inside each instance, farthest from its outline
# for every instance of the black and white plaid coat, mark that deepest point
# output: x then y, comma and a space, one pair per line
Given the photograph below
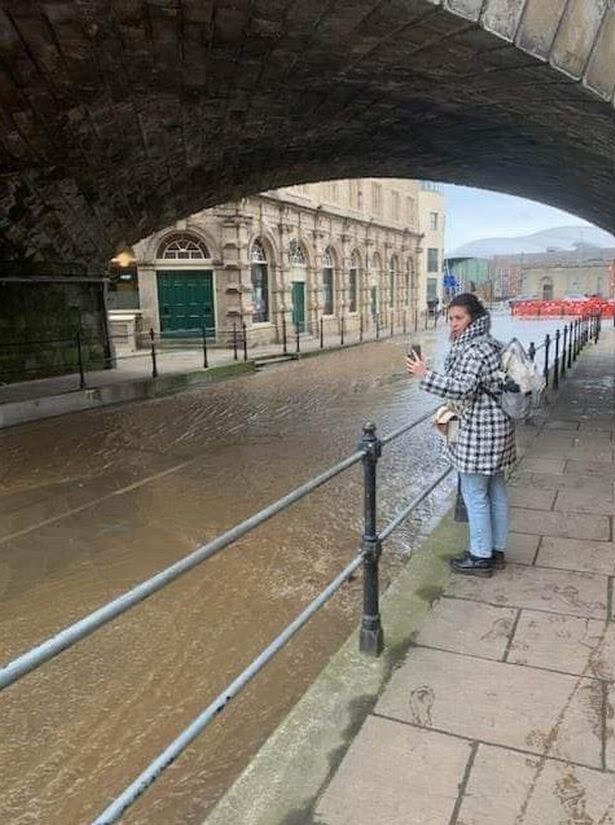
486, 439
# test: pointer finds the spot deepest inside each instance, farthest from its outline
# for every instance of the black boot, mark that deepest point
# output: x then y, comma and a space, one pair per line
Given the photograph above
499, 559
469, 565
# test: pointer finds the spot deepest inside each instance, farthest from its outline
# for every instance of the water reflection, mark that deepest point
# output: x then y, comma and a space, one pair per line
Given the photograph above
96, 502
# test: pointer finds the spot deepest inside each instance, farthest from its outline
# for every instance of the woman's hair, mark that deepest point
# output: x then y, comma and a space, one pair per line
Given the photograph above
470, 303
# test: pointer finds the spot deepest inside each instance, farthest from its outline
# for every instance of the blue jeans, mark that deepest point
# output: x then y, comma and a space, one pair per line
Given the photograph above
486, 500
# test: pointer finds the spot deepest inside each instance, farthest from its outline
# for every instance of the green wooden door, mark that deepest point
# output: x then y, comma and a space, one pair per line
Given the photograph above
299, 305
186, 302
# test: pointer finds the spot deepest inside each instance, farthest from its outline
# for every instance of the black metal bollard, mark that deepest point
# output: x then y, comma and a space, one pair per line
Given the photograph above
545, 371
570, 343
564, 351
342, 331
377, 327
152, 336
392, 324
361, 327
532, 351
556, 361
244, 332
234, 341
284, 348
577, 322
205, 359
322, 334
297, 340
371, 639
80, 360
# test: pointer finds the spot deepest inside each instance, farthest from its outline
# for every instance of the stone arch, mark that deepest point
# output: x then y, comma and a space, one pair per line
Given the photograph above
503, 94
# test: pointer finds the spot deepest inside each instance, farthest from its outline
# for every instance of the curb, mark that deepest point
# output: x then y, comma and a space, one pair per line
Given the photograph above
285, 779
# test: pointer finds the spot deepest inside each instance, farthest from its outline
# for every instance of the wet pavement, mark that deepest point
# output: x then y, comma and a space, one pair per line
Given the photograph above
95, 502
503, 710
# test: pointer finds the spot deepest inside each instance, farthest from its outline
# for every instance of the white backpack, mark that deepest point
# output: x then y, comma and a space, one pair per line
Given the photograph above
521, 381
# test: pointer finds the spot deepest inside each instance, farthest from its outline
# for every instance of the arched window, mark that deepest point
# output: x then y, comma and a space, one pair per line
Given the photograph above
392, 280
260, 284
183, 248
353, 282
296, 253
328, 282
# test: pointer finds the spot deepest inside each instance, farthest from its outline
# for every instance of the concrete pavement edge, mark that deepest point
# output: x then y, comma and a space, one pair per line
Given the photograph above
283, 782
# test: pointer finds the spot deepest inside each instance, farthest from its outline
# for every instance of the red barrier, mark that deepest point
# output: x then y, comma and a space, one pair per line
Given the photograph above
560, 309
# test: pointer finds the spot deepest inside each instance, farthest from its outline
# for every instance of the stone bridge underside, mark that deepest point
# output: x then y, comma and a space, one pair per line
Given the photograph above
120, 116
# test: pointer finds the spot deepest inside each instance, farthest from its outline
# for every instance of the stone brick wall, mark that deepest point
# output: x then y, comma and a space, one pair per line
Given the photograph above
38, 328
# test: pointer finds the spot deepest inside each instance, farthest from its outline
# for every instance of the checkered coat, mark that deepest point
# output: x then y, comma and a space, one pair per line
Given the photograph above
486, 439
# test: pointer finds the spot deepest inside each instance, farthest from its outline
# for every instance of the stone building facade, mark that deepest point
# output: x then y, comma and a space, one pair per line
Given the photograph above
346, 252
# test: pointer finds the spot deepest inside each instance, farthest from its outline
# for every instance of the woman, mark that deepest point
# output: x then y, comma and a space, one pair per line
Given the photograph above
485, 444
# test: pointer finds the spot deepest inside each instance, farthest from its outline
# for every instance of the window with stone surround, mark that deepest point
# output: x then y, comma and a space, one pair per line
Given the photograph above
260, 283
328, 282
353, 280
392, 280
395, 201
432, 260
377, 198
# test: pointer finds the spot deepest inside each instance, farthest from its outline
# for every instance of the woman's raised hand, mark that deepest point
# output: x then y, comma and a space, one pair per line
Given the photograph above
415, 366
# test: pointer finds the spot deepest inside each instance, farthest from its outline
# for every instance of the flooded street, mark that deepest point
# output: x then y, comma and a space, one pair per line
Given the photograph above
96, 502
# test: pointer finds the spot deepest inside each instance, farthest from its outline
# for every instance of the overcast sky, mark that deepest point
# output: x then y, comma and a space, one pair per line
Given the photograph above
473, 214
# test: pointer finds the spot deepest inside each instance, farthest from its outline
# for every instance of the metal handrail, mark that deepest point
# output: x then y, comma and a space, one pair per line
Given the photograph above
170, 754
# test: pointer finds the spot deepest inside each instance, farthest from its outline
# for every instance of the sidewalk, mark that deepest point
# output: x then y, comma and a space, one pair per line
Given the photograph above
502, 712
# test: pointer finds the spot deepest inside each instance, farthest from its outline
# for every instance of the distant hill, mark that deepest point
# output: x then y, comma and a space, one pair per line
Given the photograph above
562, 238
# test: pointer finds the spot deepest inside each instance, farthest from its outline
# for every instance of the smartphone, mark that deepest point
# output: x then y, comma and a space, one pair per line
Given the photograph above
414, 349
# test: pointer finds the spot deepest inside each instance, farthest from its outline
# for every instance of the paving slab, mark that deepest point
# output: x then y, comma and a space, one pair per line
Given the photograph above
569, 525
539, 711
537, 588
585, 647
577, 554
561, 424
542, 465
551, 481
532, 499
579, 501
522, 548
506, 788
468, 627
601, 453
598, 469
387, 777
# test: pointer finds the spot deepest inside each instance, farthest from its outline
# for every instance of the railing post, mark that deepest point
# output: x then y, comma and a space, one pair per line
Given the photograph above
322, 334
205, 360
564, 351
556, 360
570, 344
244, 332
546, 367
297, 339
152, 336
577, 322
597, 335
342, 331
80, 359
284, 348
377, 327
532, 351
361, 327
371, 639
234, 341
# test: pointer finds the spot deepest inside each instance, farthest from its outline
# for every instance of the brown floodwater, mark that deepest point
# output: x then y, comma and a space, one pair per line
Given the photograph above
93, 503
